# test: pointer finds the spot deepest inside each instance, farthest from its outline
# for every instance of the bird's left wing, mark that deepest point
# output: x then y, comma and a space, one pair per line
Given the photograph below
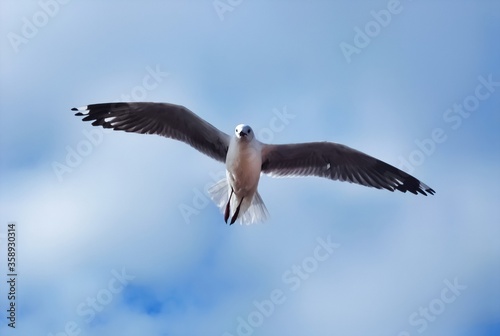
337, 162
169, 120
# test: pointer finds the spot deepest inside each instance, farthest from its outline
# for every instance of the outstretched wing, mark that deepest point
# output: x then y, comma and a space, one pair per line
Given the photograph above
337, 162
169, 120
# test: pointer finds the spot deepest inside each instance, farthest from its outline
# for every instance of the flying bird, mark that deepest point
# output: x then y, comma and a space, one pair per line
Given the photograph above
246, 157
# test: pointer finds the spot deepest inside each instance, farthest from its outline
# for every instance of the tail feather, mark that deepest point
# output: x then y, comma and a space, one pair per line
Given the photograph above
219, 193
256, 212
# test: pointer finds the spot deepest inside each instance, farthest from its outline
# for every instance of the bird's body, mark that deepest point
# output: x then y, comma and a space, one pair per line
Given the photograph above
246, 157
243, 164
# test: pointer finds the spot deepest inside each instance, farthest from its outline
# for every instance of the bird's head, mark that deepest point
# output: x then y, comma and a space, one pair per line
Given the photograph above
244, 132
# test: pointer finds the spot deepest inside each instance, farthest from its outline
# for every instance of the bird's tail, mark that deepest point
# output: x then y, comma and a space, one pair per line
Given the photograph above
256, 213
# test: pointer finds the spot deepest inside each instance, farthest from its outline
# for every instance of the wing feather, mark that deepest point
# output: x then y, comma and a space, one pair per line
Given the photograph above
337, 162
168, 120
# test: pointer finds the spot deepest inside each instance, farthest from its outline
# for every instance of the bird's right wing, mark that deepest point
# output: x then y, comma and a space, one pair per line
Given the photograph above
169, 120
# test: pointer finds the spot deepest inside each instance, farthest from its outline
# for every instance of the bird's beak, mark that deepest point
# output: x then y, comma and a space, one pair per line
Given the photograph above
242, 134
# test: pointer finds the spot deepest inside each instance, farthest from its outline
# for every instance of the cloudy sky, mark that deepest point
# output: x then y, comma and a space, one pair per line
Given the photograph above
115, 235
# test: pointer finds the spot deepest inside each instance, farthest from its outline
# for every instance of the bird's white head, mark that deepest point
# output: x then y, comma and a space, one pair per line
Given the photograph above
244, 132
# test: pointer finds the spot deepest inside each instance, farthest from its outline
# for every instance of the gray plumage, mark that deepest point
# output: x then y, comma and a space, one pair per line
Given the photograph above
246, 157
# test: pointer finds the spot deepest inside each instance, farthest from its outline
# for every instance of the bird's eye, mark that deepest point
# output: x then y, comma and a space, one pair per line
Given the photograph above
249, 131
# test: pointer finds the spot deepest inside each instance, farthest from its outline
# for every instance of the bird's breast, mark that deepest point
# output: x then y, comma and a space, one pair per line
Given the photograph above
243, 164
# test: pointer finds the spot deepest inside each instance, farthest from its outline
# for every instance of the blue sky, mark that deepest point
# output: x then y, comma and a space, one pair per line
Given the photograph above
105, 243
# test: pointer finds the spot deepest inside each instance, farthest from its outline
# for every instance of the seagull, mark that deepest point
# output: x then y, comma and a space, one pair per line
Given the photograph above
246, 157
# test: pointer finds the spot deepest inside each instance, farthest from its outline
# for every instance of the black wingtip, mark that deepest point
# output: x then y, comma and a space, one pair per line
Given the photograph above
79, 114
74, 109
